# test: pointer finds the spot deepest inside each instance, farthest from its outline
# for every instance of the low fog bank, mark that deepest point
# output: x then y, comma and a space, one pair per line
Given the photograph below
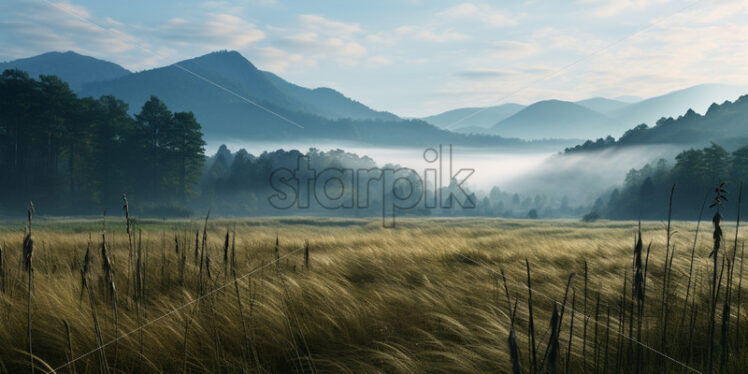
582, 177
492, 167
577, 179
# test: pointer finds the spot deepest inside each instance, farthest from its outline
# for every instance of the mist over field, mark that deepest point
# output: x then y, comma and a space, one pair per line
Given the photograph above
581, 177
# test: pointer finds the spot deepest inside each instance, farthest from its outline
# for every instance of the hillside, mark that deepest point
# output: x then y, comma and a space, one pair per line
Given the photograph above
326, 101
234, 72
722, 123
554, 119
697, 98
470, 119
287, 111
610, 116
602, 105
71, 67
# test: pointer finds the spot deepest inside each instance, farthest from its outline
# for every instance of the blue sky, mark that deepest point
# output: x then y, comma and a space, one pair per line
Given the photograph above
413, 57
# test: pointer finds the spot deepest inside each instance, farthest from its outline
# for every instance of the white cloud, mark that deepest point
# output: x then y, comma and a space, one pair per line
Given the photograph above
481, 13
613, 8
439, 36
379, 61
316, 39
216, 31
41, 27
321, 24
417, 33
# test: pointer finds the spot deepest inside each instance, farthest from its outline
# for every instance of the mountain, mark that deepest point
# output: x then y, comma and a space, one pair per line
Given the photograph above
554, 119
71, 67
269, 108
628, 98
473, 118
697, 98
724, 124
602, 105
601, 116
229, 69
327, 102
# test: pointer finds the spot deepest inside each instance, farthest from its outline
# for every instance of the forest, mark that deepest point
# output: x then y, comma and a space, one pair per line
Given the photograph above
74, 155
695, 175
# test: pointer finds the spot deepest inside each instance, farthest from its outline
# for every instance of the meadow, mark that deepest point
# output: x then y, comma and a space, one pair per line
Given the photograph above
439, 295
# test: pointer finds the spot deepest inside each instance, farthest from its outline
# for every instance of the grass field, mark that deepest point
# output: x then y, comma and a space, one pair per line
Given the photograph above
425, 297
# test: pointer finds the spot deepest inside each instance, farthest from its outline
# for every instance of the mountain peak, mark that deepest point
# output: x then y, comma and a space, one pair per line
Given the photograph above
72, 67
553, 119
223, 57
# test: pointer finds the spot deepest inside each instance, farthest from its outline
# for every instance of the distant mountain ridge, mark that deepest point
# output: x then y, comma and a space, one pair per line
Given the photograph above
71, 67
234, 101
231, 70
725, 124
602, 105
328, 102
698, 98
612, 116
553, 119
466, 118
328, 114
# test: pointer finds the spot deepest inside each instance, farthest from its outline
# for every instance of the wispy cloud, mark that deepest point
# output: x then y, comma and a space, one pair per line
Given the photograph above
613, 8
321, 24
215, 30
36, 26
481, 13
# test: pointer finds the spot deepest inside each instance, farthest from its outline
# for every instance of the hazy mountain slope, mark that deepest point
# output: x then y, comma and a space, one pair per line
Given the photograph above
288, 112
71, 67
725, 124
327, 102
473, 117
554, 119
601, 104
231, 70
698, 98
182, 90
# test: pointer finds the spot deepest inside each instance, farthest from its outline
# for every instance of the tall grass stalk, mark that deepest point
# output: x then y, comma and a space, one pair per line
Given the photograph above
663, 299
531, 323
130, 254
306, 254
595, 342
714, 294
239, 305
550, 365
226, 246
739, 299
571, 330
28, 266
70, 354
2, 272
103, 365
513, 346
108, 270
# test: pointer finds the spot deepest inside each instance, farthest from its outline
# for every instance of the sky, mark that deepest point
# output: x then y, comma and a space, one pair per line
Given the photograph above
412, 57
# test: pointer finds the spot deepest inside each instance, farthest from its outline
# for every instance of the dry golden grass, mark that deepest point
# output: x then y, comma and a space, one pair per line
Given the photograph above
425, 297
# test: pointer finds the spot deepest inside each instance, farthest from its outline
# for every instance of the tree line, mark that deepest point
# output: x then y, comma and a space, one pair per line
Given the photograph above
74, 155
695, 174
